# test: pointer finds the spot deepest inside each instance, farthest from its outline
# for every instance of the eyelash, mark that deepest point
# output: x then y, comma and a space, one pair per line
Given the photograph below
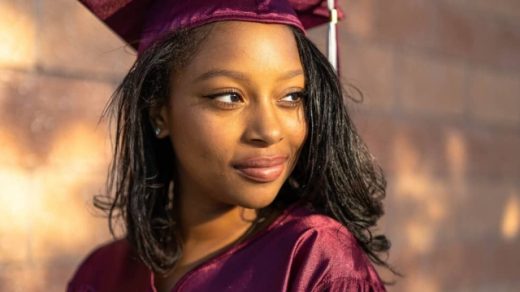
231, 105
294, 103
224, 104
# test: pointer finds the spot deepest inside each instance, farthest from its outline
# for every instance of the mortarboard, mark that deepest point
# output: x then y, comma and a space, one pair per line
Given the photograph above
142, 22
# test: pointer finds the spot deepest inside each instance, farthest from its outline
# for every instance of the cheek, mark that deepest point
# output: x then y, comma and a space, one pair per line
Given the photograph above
201, 136
296, 127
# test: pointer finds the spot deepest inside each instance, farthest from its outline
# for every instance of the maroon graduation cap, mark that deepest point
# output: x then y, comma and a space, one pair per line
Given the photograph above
142, 22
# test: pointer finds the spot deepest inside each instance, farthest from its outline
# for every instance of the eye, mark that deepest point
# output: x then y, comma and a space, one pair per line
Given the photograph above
227, 97
226, 100
292, 99
295, 96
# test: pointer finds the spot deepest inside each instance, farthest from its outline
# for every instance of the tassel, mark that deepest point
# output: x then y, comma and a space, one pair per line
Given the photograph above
332, 44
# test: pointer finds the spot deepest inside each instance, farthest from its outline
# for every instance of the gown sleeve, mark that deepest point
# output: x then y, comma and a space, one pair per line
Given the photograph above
111, 267
329, 258
350, 285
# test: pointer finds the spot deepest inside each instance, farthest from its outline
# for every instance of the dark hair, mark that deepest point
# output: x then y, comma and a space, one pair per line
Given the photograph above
335, 174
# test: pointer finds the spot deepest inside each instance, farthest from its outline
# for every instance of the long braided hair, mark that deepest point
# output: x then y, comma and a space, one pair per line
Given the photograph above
335, 174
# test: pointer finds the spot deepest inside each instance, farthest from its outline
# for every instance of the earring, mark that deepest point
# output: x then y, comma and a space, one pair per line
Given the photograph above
157, 131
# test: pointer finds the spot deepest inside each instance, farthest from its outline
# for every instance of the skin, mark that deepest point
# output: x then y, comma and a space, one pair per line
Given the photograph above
212, 131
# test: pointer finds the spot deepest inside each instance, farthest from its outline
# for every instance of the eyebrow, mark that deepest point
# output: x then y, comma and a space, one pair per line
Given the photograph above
240, 75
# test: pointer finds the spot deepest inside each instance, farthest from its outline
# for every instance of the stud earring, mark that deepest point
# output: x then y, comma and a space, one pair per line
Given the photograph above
157, 131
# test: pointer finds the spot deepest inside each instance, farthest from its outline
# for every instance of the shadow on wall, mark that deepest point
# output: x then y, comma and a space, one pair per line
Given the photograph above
454, 224
53, 159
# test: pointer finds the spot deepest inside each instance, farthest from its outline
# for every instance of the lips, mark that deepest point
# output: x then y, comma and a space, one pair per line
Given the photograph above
261, 169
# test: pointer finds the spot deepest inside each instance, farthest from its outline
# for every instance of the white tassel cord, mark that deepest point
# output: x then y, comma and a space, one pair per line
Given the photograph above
332, 44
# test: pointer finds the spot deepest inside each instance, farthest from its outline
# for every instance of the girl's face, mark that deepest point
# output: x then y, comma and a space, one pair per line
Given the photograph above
235, 116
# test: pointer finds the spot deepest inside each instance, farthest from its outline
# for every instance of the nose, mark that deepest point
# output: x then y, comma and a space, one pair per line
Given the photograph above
264, 127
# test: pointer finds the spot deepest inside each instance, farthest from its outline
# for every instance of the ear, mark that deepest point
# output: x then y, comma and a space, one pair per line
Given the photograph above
159, 120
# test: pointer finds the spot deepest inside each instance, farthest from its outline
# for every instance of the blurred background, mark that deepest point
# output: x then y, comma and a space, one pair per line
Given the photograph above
441, 113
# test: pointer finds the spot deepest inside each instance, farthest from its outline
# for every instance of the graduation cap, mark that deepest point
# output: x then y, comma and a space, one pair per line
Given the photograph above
143, 22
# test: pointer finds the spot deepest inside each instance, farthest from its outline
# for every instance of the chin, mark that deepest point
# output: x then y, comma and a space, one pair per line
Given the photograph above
256, 204
257, 200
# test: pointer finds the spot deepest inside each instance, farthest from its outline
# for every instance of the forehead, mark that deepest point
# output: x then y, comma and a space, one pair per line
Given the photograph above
244, 44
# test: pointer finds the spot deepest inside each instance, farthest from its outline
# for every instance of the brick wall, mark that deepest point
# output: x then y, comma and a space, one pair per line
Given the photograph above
441, 112
58, 66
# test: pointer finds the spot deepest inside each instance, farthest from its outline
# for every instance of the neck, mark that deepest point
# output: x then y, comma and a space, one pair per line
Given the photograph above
204, 221
215, 223
206, 227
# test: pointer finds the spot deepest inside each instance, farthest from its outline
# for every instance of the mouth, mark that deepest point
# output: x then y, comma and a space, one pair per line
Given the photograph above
261, 169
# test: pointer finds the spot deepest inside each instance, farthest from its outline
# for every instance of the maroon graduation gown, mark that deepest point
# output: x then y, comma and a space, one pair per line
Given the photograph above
299, 251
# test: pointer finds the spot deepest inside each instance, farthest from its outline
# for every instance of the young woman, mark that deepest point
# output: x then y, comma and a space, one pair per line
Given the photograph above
236, 166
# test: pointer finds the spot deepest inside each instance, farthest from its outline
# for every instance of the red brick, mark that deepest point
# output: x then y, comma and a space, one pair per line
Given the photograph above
493, 154
21, 277
14, 239
442, 175
479, 37
52, 275
503, 45
58, 273
53, 154
474, 265
463, 248
360, 18
406, 22
494, 97
17, 34
459, 29
443, 149
55, 104
318, 36
431, 85
74, 40
367, 66
370, 68
385, 135
79, 168
456, 30
483, 208
461, 266
506, 8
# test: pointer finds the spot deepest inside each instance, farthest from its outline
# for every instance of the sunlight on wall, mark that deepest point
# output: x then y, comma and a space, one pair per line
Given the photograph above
511, 218
17, 35
422, 282
456, 158
15, 201
75, 161
422, 187
415, 185
42, 204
